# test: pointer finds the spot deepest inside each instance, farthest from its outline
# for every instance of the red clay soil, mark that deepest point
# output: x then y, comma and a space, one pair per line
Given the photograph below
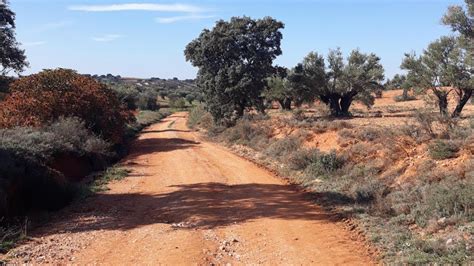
188, 201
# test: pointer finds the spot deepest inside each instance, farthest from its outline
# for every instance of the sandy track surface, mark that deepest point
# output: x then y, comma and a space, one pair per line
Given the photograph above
192, 202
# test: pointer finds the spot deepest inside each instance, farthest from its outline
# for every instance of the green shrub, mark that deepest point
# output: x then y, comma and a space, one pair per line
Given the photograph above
111, 174
324, 165
368, 191
196, 115
301, 159
446, 199
27, 181
299, 115
441, 150
142, 120
127, 95
10, 234
65, 136
426, 119
283, 147
147, 101
246, 133
177, 103
146, 118
331, 162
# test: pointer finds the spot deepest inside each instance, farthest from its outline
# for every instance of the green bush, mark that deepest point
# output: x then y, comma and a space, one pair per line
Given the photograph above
368, 191
246, 133
331, 162
111, 174
65, 136
177, 103
446, 199
283, 147
10, 234
324, 165
142, 120
301, 159
128, 95
196, 115
27, 180
442, 150
299, 115
147, 101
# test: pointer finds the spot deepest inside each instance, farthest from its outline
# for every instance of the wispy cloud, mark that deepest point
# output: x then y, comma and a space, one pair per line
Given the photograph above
32, 44
139, 7
107, 38
169, 20
53, 26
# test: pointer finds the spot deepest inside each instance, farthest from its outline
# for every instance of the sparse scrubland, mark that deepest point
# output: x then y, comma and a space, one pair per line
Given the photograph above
394, 157
59, 131
409, 185
402, 170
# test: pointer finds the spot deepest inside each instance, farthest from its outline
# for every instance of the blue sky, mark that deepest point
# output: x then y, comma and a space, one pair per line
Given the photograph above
138, 38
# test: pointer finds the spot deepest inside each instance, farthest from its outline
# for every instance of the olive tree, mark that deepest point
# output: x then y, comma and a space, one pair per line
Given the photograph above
444, 67
462, 22
400, 82
340, 82
235, 59
278, 90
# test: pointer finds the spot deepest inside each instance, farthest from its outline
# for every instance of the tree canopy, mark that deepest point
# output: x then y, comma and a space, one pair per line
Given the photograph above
11, 56
235, 59
442, 68
461, 20
340, 82
42, 98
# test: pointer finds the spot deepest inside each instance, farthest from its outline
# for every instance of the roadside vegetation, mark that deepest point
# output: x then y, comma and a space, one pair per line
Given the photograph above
60, 135
409, 189
403, 172
407, 183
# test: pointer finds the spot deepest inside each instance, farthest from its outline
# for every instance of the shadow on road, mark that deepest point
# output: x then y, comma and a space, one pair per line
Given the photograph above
165, 130
143, 147
203, 205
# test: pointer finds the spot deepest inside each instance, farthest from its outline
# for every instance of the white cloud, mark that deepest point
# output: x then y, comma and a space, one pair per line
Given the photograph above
107, 38
139, 7
168, 20
32, 44
53, 26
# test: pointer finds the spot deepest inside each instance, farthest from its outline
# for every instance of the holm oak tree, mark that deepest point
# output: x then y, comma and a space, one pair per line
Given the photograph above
235, 59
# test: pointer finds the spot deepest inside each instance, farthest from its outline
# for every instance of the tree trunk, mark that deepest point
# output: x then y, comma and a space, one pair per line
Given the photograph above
405, 94
286, 104
443, 104
346, 102
462, 102
335, 106
260, 105
240, 110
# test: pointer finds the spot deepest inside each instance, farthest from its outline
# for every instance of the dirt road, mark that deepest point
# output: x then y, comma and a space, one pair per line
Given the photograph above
192, 202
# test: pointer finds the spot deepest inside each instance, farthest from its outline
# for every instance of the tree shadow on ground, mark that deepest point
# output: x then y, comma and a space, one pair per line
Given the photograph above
145, 146
165, 130
201, 206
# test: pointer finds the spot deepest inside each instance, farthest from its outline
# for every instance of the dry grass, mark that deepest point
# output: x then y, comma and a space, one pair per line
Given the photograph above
396, 169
